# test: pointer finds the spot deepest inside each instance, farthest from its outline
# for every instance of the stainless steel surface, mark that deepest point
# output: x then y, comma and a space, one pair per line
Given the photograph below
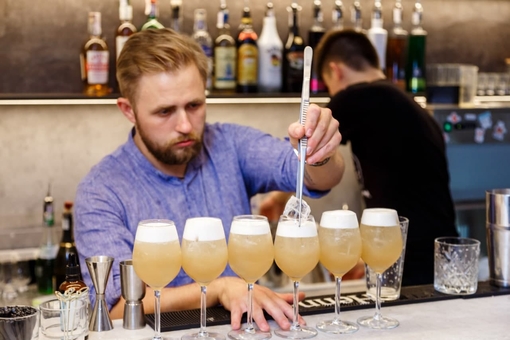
133, 291
498, 236
99, 268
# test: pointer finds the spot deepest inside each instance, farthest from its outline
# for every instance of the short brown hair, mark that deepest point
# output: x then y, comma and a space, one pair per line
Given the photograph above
153, 51
350, 47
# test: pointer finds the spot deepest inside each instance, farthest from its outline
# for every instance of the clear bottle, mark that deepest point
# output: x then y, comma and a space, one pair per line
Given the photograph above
247, 54
315, 34
67, 245
126, 27
152, 12
294, 53
338, 15
203, 38
270, 54
95, 60
378, 35
225, 54
397, 49
415, 70
48, 249
357, 18
176, 9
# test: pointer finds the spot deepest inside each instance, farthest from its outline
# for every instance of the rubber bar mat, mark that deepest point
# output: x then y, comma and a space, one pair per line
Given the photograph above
171, 321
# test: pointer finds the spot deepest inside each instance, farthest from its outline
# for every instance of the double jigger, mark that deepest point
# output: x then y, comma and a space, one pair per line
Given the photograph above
99, 268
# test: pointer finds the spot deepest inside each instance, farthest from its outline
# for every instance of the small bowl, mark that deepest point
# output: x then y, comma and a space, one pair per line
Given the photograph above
17, 322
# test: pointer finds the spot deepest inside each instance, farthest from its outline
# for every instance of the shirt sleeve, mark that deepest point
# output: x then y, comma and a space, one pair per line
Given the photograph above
100, 230
267, 163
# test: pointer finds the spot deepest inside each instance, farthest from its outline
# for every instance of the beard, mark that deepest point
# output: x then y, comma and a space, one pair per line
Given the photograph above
166, 154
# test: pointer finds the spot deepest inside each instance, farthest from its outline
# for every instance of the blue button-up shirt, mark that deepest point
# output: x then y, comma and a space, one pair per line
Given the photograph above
235, 163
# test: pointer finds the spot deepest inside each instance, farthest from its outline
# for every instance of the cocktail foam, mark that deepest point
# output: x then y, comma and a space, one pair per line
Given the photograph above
380, 217
250, 226
291, 228
339, 219
156, 231
203, 229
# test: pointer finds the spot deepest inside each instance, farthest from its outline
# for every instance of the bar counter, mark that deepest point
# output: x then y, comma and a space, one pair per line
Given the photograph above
484, 318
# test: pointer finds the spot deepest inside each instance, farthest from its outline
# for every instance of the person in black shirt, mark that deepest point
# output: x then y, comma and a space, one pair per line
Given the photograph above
398, 147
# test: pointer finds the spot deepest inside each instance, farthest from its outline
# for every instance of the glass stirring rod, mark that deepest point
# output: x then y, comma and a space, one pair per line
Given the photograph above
303, 142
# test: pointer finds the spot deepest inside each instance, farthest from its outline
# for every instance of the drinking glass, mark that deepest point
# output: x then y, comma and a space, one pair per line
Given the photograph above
296, 252
157, 259
250, 255
204, 258
381, 244
340, 250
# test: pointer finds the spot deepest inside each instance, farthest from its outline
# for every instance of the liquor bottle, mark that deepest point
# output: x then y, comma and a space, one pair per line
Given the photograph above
247, 54
225, 54
315, 34
48, 249
72, 278
338, 15
397, 49
356, 18
176, 9
294, 53
270, 54
67, 246
95, 59
203, 38
151, 10
415, 70
377, 34
126, 27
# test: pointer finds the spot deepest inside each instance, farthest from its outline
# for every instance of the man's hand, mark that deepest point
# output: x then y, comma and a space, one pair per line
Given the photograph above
233, 295
322, 132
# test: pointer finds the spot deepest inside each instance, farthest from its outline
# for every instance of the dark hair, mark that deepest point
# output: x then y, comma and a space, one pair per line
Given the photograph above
350, 47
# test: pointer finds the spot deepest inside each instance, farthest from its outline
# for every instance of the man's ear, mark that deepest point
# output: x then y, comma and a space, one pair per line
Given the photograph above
337, 70
127, 109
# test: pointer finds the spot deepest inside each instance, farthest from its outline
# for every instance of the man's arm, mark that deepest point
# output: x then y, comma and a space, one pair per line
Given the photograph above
325, 165
231, 293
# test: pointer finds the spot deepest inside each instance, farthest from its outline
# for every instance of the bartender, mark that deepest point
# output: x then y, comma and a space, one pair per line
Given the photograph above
176, 166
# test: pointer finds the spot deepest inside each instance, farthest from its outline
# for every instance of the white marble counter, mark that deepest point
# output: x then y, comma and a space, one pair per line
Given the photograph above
478, 319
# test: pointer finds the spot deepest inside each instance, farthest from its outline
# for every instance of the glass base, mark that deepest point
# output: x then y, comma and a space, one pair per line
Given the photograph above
244, 334
161, 338
337, 327
379, 323
298, 333
203, 336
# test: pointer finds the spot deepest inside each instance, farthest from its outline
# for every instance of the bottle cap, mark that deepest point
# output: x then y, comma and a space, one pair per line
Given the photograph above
72, 267
68, 205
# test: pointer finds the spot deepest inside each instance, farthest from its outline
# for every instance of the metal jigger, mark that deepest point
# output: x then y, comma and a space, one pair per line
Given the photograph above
99, 269
133, 291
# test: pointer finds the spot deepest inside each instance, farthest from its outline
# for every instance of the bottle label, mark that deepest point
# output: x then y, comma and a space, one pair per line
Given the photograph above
397, 15
416, 18
65, 224
48, 252
296, 61
248, 55
97, 67
225, 62
119, 44
270, 67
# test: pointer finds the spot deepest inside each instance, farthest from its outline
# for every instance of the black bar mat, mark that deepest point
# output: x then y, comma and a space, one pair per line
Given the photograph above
172, 321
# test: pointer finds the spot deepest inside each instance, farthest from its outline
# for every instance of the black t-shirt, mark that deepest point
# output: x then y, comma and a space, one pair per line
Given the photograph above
401, 162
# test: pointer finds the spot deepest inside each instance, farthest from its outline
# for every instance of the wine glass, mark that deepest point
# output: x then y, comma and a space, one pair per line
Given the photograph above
340, 250
250, 255
381, 241
204, 258
157, 260
296, 252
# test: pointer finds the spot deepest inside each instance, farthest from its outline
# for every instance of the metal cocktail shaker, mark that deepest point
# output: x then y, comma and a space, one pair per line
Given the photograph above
99, 268
498, 235
133, 291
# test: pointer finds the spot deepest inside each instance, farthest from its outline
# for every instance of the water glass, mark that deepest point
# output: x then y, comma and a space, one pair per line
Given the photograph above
63, 320
456, 265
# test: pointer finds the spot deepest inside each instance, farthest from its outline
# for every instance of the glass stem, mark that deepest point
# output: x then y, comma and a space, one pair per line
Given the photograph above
378, 279
338, 280
249, 327
203, 310
295, 324
157, 315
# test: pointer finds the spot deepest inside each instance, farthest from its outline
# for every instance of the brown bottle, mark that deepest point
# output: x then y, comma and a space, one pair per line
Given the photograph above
73, 276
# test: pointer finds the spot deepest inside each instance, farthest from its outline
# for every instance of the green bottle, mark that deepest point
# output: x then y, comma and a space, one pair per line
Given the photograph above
152, 17
415, 70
